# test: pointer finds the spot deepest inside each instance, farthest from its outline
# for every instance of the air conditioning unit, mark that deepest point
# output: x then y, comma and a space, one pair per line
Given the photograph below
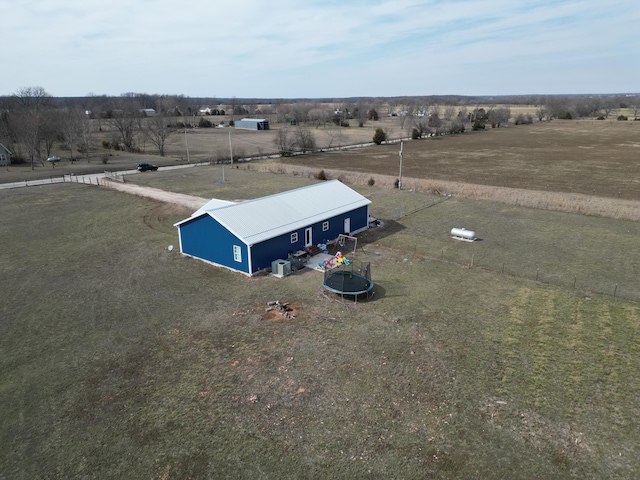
281, 268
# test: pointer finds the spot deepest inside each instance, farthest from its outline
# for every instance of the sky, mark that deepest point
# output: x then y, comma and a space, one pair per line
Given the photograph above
320, 49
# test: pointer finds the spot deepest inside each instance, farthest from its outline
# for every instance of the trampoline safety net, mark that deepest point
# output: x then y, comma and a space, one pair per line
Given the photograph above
352, 279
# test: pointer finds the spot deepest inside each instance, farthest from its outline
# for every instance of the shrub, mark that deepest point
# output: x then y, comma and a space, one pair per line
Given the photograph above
415, 134
601, 117
522, 119
457, 127
477, 125
379, 136
321, 175
396, 184
371, 182
622, 118
105, 158
231, 123
106, 145
567, 116
204, 123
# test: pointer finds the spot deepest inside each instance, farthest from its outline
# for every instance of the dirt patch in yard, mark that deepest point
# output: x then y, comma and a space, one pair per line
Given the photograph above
188, 201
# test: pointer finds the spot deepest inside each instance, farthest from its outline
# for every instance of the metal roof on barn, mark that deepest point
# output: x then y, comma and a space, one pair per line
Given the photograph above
257, 220
211, 205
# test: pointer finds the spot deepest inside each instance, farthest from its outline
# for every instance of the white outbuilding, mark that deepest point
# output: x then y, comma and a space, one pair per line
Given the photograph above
253, 124
5, 156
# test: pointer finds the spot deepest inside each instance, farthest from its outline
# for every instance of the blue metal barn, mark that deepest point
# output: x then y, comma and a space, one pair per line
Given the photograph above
248, 236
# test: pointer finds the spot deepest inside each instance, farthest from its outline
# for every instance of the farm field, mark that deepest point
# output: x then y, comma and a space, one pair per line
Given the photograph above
589, 157
204, 145
595, 158
122, 359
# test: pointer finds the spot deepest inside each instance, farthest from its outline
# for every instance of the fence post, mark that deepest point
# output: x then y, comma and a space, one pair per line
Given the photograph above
537, 272
615, 291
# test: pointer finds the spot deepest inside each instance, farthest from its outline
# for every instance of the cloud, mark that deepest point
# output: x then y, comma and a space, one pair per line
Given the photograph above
287, 48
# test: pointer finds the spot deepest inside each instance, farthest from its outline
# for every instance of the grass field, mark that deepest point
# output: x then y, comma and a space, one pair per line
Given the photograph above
595, 158
204, 145
124, 360
589, 157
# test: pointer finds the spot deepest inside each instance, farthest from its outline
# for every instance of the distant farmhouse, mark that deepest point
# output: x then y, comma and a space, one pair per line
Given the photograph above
5, 156
253, 124
248, 236
148, 112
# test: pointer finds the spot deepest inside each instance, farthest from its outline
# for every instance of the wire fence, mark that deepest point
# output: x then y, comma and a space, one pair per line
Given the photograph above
625, 286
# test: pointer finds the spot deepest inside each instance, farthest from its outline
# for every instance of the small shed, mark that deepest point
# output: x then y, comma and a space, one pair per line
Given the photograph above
252, 124
5, 156
248, 236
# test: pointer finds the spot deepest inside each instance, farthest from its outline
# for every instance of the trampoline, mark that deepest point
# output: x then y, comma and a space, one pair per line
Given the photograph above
353, 279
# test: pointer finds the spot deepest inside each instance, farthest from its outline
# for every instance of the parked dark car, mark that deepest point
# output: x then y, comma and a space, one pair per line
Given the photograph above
143, 167
53, 159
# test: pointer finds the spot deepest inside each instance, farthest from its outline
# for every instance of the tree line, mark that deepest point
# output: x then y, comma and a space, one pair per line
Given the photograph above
32, 121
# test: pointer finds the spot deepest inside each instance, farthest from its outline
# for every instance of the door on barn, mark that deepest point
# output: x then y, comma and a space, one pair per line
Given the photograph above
308, 238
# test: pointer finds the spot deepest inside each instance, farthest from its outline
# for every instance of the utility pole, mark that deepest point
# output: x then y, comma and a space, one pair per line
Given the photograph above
186, 141
400, 177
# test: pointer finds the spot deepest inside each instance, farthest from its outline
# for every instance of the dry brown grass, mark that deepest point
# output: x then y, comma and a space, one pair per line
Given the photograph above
558, 201
590, 157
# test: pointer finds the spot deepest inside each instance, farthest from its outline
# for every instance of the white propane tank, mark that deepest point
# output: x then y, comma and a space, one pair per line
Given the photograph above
463, 234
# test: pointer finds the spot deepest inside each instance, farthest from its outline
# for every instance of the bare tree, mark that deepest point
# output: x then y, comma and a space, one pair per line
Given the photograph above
499, 116
542, 114
335, 135
25, 128
157, 129
559, 107
33, 98
50, 128
124, 117
70, 128
419, 127
304, 139
435, 124
319, 115
360, 113
635, 108
85, 135
27, 119
284, 141
449, 113
299, 112
607, 106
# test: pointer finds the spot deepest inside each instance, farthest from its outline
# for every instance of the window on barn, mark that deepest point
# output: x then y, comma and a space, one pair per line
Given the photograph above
237, 253
294, 237
325, 226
